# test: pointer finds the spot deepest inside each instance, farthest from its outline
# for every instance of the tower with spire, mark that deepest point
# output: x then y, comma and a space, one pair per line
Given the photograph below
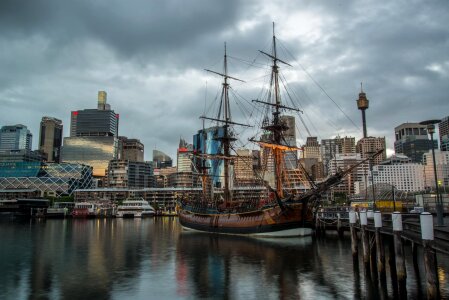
363, 104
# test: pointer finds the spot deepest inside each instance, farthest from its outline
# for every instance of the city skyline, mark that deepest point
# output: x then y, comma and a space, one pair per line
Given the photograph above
150, 59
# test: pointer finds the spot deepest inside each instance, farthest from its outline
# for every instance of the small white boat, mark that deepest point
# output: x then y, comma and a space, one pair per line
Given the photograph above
135, 208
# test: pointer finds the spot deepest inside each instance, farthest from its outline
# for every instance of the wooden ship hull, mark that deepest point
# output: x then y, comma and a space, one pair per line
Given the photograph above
294, 220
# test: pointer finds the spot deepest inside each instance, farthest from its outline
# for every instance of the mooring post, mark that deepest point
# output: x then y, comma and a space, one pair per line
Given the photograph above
401, 272
339, 227
380, 252
430, 261
354, 246
365, 240
323, 224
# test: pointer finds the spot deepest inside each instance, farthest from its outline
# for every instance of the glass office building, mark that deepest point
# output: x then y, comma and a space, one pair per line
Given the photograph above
95, 151
15, 137
207, 142
49, 178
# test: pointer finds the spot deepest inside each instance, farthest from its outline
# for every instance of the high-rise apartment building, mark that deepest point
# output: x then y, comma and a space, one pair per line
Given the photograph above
312, 148
15, 137
311, 158
337, 145
443, 128
50, 138
130, 174
412, 140
93, 137
370, 145
344, 162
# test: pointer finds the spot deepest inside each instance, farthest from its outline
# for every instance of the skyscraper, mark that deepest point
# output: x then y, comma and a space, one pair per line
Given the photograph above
93, 137
411, 139
15, 137
130, 149
50, 138
95, 122
184, 160
207, 141
161, 160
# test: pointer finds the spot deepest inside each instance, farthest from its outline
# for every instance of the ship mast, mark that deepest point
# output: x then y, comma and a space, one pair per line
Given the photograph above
276, 126
224, 116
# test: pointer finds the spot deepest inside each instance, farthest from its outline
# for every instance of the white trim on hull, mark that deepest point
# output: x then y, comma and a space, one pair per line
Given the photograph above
295, 232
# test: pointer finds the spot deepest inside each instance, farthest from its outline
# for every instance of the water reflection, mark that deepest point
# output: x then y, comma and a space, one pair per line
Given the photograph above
153, 258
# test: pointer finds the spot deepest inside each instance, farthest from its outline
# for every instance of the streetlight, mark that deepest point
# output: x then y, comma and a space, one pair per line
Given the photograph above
439, 205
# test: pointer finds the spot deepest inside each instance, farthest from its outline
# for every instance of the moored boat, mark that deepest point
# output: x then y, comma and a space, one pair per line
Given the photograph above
60, 210
84, 210
135, 208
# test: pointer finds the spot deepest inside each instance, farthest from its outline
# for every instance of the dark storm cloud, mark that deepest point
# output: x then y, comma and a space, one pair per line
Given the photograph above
150, 55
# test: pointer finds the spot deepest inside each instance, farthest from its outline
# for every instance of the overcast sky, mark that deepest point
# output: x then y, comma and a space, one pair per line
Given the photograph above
150, 56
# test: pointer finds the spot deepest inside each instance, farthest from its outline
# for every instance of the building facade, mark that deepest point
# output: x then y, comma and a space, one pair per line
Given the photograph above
370, 145
50, 138
130, 149
408, 177
337, 145
207, 142
15, 137
184, 156
443, 128
130, 174
50, 179
161, 160
442, 165
344, 162
412, 140
93, 137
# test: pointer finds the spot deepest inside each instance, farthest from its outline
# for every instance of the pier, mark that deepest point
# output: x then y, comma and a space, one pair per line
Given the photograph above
368, 231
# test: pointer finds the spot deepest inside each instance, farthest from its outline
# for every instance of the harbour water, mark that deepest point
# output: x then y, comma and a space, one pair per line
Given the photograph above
155, 259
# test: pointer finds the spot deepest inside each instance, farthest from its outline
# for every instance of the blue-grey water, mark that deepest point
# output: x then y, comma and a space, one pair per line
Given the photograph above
156, 259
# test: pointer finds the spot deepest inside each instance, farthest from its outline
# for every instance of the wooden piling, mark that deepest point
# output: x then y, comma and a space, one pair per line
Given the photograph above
380, 252
365, 240
373, 256
401, 272
430, 263
354, 246
339, 226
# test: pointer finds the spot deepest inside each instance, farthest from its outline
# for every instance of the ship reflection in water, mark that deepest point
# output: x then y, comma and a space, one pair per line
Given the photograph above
155, 259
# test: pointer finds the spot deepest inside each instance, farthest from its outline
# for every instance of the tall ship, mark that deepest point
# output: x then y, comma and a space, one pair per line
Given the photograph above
273, 204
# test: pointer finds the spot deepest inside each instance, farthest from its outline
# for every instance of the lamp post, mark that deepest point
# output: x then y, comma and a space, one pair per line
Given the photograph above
439, 205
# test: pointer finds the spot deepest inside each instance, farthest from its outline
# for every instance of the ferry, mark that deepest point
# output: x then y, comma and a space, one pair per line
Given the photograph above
60, 210
135, 208
84, 210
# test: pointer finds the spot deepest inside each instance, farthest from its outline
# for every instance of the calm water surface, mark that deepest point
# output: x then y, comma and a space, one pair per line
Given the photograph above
155, 259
